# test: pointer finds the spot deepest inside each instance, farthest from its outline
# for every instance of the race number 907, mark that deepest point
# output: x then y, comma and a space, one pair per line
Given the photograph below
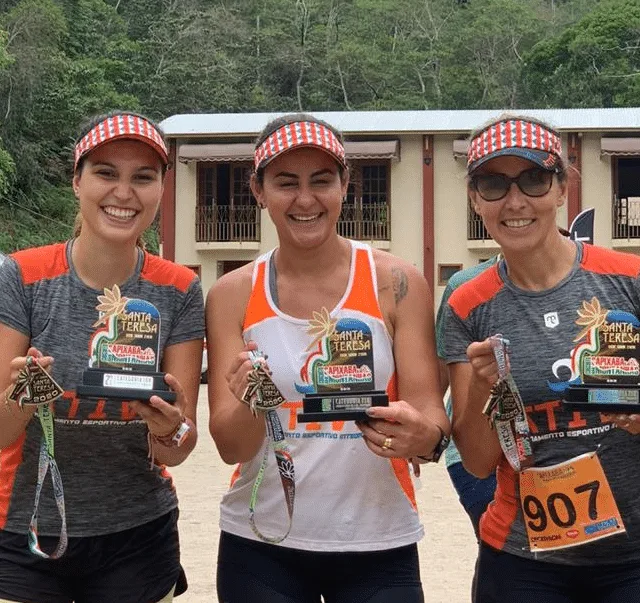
559, 508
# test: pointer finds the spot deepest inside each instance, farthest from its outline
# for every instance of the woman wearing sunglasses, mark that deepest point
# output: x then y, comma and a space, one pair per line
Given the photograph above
570, 533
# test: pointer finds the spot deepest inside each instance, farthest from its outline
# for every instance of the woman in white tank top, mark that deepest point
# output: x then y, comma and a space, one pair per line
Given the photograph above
319, 508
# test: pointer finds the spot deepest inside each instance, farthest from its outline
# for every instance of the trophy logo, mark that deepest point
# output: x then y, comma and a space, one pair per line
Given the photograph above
130, 335
124, 351
607, 359
610, 352
339, 378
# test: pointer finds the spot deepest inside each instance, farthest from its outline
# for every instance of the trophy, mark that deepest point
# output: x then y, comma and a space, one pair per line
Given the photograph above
607, 361
339, 373
124, 352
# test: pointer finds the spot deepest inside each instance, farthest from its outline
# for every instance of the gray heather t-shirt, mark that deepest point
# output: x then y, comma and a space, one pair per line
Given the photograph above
100, 446
541, 327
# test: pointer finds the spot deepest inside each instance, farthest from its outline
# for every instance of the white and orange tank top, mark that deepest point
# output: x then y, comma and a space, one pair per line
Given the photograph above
347, 498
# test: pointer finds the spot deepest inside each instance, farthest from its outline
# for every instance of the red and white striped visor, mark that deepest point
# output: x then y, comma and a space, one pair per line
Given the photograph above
299, 134
112, 128
515, 137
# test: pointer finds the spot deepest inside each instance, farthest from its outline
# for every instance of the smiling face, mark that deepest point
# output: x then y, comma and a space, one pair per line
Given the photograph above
518, 222
303, 191
119, 188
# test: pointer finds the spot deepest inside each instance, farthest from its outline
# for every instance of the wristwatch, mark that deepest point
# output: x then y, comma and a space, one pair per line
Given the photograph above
441, 446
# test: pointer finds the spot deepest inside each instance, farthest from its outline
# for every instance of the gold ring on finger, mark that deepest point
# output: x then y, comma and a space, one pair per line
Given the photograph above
387, 444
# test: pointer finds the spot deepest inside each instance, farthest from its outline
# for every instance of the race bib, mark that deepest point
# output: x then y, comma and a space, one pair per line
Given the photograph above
568, 504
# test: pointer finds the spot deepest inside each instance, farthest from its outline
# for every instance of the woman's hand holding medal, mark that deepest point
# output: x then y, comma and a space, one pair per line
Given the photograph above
23, 371
483, 361
243, 376
19, 364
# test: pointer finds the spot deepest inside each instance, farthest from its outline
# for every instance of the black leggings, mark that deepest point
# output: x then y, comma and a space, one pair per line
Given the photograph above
507, 578
256, 572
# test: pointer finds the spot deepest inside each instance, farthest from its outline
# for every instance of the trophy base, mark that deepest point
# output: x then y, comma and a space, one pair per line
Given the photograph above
124, 385
605, 397
341, 406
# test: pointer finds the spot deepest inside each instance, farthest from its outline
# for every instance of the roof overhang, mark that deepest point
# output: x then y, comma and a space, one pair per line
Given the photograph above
619, 146
372, 149
224, 153
221, 153
460, 148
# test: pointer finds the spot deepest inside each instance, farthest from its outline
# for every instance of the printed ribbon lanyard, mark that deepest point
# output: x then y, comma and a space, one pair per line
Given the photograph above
506, 411
35, 387
263, 395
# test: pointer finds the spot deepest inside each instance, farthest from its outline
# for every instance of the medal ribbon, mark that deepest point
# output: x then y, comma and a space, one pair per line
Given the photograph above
47, 462
276, 440
507, 413
34, 386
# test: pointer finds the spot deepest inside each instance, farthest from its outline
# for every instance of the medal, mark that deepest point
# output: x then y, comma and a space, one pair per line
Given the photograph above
34, 386
261, 393
506, 413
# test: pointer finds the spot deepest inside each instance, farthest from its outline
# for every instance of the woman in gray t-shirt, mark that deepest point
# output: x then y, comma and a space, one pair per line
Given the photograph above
106, 524
564, 525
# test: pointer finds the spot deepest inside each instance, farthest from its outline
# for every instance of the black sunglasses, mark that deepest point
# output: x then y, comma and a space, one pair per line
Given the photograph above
534, 182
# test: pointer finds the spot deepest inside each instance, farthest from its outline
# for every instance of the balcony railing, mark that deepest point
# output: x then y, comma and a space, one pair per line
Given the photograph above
626, 218
365, 221
475, 227
224, 223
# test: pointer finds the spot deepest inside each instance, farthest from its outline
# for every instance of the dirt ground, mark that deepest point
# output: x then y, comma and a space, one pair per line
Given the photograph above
447, 552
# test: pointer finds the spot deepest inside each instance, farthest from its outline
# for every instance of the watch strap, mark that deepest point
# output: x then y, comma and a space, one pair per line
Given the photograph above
441, 446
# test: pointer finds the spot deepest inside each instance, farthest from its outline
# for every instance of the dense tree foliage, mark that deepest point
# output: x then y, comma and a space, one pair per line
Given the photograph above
62, 61
597, 60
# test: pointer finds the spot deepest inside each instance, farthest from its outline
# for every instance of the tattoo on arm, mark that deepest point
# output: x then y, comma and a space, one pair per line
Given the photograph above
400, 284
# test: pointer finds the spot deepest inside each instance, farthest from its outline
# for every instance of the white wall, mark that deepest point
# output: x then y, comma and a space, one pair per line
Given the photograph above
597, 189
406, 202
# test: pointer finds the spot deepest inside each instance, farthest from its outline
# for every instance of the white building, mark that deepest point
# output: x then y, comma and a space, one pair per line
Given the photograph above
407, 192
